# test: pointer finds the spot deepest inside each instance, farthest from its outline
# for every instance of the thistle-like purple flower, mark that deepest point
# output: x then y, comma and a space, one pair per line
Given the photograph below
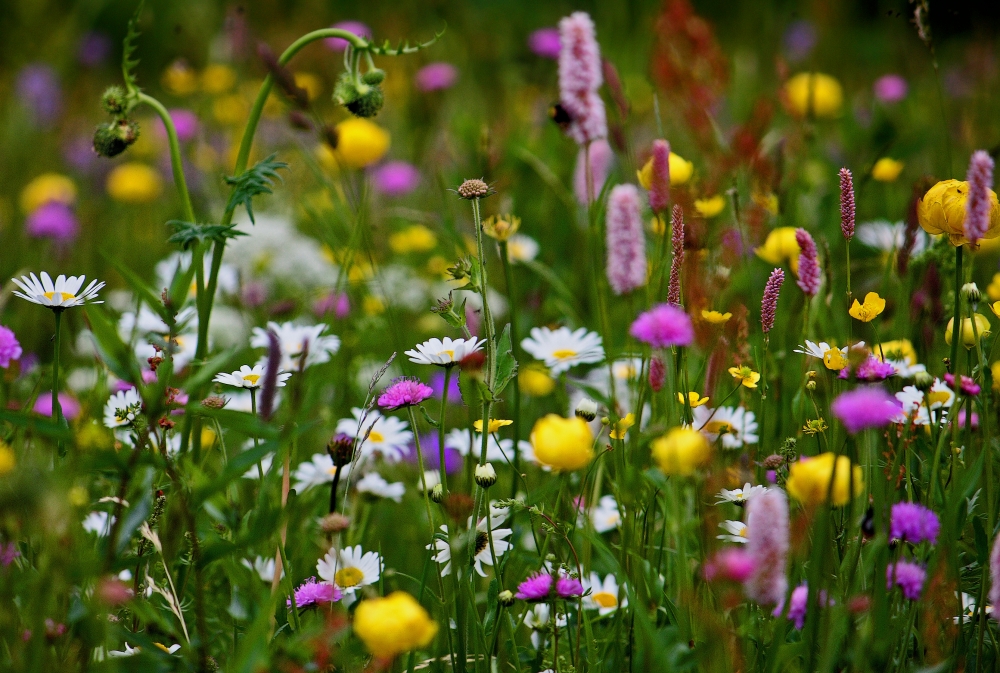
871, 370
535, 588
977, 206
404, 392
809, 275
767, 546
677, 261
663, 326
868, 407
580, 76
568, 587
908, 576
769, 304
659, 184
10, 348
798, 604
912, 522
52, 220
312, 592
625, 240
847, 209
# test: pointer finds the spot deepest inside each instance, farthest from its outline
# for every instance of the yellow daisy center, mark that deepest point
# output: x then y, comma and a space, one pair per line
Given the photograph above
450, 354
719, 427
63, 296
605, 599
348, 577
743, 531
376, 437
252, 378
937, 397
331, 470
564, 354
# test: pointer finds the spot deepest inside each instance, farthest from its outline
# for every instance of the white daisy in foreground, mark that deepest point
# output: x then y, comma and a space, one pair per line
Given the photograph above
561, 348
603, 595
889, 236
350, 569
740, 496
64, 293
315, 471
295, 339
736, 531
482, 543
736, 426
248, 377
98, 522
606, 516
444, 352
374, 484
521, 248
264, 567
389, 435
122, 408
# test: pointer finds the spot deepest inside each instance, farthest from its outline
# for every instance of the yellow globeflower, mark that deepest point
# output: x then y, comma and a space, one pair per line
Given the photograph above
942, 211
694, 399
780, 247
360, 142
809, 479
495, 424
715, 317
968, 335
415, 238
622, 426
897, 349
217, 78
813, 94
45, 188
393, 625
747, 377
868, 311
680, 171
7, 460
535, 381
681, 451
562, 443
993, 289
179, 79
710, 206
134, 183
887, 170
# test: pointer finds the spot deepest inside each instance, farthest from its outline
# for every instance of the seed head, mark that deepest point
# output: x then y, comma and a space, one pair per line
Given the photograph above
474, 189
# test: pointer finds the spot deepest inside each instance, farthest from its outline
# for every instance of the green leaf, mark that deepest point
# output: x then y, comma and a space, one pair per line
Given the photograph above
982, 542
188, 233
145, 292
136, 514
386, 49
489, 623
506, 365
235, 469
209, 370
113, 351
181, 283
41, 425
128, 50
256, 180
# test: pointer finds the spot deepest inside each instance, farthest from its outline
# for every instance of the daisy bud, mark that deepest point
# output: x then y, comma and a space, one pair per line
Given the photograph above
437, 493
811, 385
334, 523
485, 476
971, 293
923, 381
505, 598
586, 409
341, 449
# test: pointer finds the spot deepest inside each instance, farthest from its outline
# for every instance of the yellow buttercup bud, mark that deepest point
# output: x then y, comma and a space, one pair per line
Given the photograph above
562, 443
681, 451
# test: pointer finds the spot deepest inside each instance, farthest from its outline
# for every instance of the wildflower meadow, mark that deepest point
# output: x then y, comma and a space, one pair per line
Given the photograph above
499, 337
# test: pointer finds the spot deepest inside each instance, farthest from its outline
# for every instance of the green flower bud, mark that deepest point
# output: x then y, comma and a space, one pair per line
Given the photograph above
373, 77
114, 100
113, 138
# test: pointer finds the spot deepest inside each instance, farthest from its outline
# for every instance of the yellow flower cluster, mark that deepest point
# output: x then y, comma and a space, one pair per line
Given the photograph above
393, 625
562, 443
809, 479
681, 451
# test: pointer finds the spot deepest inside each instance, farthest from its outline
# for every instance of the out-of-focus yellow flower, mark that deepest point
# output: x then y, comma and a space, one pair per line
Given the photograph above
809, 479
134, 183
312, 84
814, 426
680, 171
968, 334
46, 188
995, 307
360, 142
179, 79
813, 94
657, 226
681, 451
438, 266
780, 247
415, 238
207, 437
217, 78
887, 170
993, 289
393, 625
710, 206
7, 459
501, 227
995, 370
693, 398
768, 201
78, 496
897, 349
372, 305
495, 424
230, 110
535, 380
747, 377
562, 443
834, 359
622, 426
942, 211
715, 317
868, 311
326, 157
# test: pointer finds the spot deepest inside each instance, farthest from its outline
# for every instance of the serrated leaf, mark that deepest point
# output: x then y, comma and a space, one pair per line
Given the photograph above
139, 286
188, 233
386, 48
128, 50
256, 180
506, 365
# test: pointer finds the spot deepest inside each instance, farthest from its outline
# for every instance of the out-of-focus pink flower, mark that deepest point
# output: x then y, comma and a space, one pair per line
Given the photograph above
338, 304
185, 123
657, 374
601, 159
395, 178
967, 385
10, 349
663, 326
312, 592
70, 407
731, 564
356, 27
113, 591
52, 220
253, 293
544, 42
890, 88
767, 546
580, 76
977, 206
38, 89
626, 242
907, 576
436, 76
869, 407
809, 274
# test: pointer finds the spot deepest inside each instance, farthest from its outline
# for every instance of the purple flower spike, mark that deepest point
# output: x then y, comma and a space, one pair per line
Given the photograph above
626, 242
847, 208
769, 303
404, 392
677, 261
809, 275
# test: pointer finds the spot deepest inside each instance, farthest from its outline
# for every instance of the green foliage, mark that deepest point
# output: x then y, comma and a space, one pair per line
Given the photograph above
129, 46
255, 181
191, 233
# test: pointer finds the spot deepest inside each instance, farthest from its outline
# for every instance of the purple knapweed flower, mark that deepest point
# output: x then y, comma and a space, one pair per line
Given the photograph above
312, 592
38, 89
93, 49
663, 326
395, 178
404, 392
356, 27
731, 564
659, 184
809, 275
912, 522
890, 88
544, 42
70, 407
52, 220
908, 576
10, 348
977, 206
868, 407
769, 303
580, 76
626, 242
436, 76
847, 208
871, 370
767, 546
536, 588
601, 159
568, 587
677, 261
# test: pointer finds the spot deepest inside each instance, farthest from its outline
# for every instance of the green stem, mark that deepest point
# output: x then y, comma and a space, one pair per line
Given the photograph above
175, 154
956, 326
256, 440
423, 477
56, 405
441, 428
515, 341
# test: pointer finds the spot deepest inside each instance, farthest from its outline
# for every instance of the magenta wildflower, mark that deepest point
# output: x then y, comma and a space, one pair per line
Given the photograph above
769, 304
890, 88
625, 240
677, 261
868, 407
10, 349
847, 203
580, 76
70, 407
568, 587
908, 576
973, 421
659, 184
395, 178
601, 158
436, 76
52, 220
544, 42
8, 552
657, 374
871, 370
967, 385
731, 564
994, 595
404, 392
767, 546
535, 588
312, 592
356, 27
663, 326
912, 522
185, 123
977, 206
809, 276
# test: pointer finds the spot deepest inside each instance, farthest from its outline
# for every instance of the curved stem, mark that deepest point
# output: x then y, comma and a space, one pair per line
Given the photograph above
175, 154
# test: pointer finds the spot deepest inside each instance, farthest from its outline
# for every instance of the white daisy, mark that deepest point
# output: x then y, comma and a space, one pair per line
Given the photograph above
940, 396
131, 651
889, 237
605, 515
969, 611
482, 544
499, 450
389, 435
538, 620
122, 408
561, 349
249, 377
444, 352
601, 595
350, 569
736, 531
740, 496
64, 293
374, 484
521, 248
294, 339
431, 479
264, 567
98, 522
318, 470
736, 426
